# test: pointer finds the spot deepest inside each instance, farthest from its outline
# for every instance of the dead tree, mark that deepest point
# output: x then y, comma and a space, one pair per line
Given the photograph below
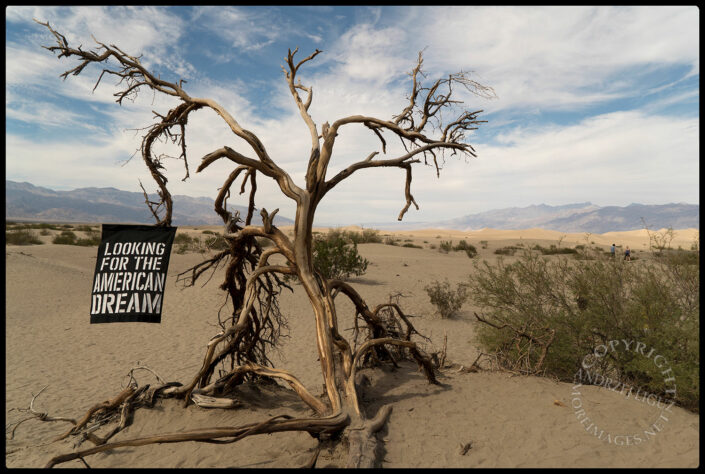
253, 283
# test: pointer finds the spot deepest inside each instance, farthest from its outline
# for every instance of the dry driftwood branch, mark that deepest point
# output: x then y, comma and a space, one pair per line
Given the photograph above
273, 425
106, 405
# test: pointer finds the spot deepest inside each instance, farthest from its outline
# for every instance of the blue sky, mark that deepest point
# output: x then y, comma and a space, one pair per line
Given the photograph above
595, 104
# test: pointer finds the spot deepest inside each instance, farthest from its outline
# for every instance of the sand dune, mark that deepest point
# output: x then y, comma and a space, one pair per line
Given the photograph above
509, 421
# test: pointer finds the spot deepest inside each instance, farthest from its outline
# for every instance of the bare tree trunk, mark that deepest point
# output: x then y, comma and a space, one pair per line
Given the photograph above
252, 283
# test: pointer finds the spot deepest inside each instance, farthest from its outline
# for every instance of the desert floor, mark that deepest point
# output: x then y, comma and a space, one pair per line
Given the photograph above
510, 421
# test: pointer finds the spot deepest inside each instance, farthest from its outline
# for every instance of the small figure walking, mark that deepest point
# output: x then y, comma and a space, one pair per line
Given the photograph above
613, 250
627, 254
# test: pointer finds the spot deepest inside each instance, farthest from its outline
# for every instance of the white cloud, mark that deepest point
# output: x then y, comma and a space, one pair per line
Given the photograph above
536, 58
248, 30
551, 57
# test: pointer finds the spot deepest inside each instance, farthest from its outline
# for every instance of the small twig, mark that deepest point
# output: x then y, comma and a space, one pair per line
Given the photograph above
464, 448
442, 362
35, 414
144, 367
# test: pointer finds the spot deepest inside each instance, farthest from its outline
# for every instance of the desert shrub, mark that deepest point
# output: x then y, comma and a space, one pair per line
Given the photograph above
36, 225
483, 243
413, 246
508, 250
92, 238
679, 256
469, 249
44, 232
183, 239
447, 300
553, 250
66, 237
217, 242
445, 246
545, 316
370, 236
390, 241
336, 259
84, 228
185, 243
21, 237
367, 236
91, 241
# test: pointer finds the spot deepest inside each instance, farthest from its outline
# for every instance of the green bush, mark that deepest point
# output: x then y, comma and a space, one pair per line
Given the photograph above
21, 237
571, 307
334, 258
447, 300
390, 241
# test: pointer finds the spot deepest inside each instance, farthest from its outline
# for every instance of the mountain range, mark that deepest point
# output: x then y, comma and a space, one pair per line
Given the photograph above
24, 201
578, 217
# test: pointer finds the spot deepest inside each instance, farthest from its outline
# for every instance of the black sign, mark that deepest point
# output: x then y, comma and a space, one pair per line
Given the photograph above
130, 273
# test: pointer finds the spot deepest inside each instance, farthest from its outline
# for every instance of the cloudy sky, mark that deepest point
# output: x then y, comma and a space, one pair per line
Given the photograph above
592, 104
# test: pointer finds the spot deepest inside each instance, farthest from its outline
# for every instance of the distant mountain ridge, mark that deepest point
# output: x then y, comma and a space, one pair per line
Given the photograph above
579, 217
109, 205
26, 201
